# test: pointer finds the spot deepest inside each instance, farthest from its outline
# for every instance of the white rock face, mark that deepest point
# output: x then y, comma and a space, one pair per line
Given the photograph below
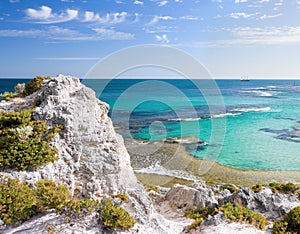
93, 160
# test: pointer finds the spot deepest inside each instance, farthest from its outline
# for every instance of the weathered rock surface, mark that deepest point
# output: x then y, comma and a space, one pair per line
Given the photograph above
272, 205
198, 194
93, 160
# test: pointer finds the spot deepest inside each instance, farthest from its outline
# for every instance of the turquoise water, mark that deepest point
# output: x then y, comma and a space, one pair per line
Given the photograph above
247, 125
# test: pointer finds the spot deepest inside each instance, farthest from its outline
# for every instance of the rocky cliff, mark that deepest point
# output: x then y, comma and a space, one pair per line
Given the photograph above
93, 161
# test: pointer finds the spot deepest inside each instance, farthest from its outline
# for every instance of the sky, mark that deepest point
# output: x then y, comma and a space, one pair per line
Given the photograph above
230, 38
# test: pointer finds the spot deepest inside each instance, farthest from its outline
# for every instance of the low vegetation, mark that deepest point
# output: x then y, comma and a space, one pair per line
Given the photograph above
24, 142
122, 196
22, 90
50, 195
257, 188
242, 214
231, 212
231, 188
277, 187
17, 201
115, 217
34, 85
199, 214
283, 188
77, 208
290, 224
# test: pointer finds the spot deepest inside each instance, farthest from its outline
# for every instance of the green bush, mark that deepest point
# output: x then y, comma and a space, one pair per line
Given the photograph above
231, 188
122, 196
77, 208
115, 217
284, 188
242, 214
196, 223
8, 95
293, 220
24, 143
256, 188
231, 212
34, 85
279, 227
199, 212
17, 201
50, 195
14, 119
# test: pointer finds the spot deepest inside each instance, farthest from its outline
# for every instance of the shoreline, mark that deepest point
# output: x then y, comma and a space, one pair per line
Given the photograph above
160, 163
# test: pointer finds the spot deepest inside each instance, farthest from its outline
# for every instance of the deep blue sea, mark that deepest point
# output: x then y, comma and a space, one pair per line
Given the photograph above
247, 125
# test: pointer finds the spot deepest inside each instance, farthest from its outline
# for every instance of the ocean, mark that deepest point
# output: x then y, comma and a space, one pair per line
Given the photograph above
246, 125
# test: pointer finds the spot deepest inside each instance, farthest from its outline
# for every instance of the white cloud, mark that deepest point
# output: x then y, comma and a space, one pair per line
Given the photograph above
163, 38
262, 1
162, 3
219, 1
68, 58
270, 16
237, 15
189, 17
137, 2
119, 17
110, 34
14, 1
178, 0
54, 33
253, 36
161, 29
157, 18
44, 15
280, 3
239, 1
112, 18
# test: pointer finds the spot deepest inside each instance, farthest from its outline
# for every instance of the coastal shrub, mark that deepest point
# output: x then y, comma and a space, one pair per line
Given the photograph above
34, 85
8, 95
50, 195
24, 142
231, 188
293, 220
284, 188
77, 208
256, 188
122, 196
231, 212
115, 217
14, 119
279, 227
153, 188
242, 214
199, 212
196, 223
17, 201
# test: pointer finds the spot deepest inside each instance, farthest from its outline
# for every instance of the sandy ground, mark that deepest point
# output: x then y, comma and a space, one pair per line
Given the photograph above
165, 161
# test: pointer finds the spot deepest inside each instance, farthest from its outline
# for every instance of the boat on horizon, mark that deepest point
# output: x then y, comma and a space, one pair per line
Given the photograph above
244, 78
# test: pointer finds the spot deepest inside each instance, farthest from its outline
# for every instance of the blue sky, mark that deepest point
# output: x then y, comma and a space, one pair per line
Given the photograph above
231, 38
